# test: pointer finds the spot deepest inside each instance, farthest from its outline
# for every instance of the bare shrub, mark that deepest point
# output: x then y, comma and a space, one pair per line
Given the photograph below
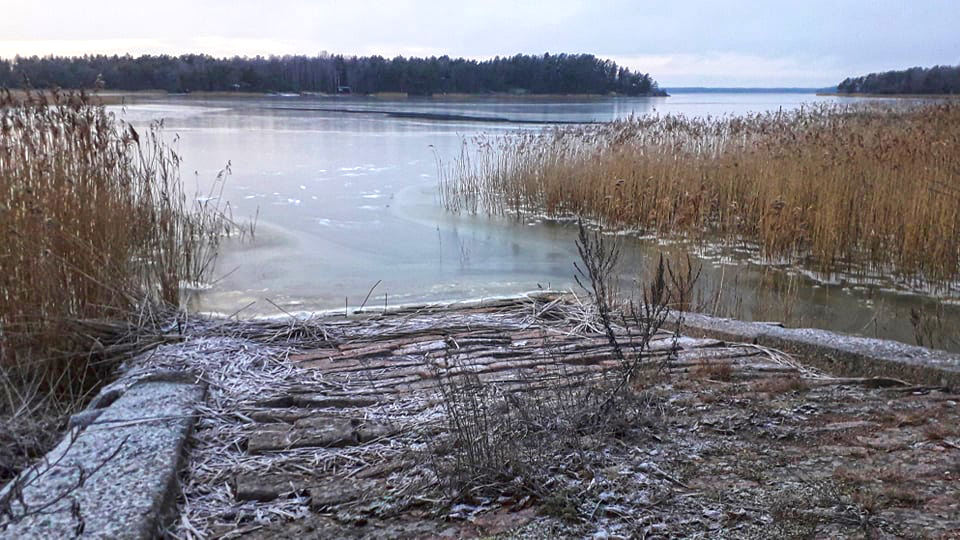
491, 444
639, 320
517, 443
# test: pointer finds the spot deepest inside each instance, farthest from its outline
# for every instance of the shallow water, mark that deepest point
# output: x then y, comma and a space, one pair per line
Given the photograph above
346, 200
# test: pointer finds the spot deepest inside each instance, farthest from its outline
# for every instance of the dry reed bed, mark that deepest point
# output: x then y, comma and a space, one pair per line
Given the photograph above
95, 225
837, 188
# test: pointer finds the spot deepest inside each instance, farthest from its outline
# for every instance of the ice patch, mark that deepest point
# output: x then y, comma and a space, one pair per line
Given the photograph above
367, 168
375, 194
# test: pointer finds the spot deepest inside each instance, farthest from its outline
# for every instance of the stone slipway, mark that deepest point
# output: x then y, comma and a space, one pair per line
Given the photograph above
114, 475
129, 447
836, 353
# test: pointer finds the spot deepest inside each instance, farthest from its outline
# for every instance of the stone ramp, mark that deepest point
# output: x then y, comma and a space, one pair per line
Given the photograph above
840, 354
115, 474
308, 426
359, 381
328, 452
374, 388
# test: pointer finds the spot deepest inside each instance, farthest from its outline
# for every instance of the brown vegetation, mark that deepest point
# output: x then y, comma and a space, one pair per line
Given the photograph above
95, 226
865, 188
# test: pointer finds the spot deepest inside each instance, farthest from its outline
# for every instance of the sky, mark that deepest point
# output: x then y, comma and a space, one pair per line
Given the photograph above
768, 43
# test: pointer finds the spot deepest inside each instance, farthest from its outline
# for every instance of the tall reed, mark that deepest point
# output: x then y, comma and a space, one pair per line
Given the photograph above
95, 225
872, 188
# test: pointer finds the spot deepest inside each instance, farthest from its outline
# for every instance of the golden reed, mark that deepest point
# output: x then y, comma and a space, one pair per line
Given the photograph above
866, 188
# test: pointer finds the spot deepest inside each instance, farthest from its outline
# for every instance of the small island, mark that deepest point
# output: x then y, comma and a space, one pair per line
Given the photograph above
521, 74
936, 80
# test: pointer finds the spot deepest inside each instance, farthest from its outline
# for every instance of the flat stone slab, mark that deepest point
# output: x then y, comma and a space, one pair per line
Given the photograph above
840, 354
114, 478
320, 431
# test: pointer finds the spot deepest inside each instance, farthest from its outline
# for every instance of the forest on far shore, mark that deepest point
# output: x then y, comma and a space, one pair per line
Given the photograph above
520, 74
916, 80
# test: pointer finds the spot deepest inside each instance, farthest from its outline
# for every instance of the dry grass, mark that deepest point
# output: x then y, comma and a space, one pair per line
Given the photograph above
780, 385
852, 189
714, 371
940, 432
95, 226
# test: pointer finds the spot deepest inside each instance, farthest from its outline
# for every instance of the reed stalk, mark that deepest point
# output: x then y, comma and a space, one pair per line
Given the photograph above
95, 226
867, 188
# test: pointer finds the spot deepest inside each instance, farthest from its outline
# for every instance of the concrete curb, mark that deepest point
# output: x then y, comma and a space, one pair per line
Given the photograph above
837, 353
115, 472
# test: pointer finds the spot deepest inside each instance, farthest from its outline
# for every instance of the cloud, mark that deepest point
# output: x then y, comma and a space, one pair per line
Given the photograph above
682, 42
732, 69
67, 47
212, 45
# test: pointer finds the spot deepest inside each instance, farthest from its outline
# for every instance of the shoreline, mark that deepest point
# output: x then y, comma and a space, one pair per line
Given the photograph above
892, 96
379, 96
279, 398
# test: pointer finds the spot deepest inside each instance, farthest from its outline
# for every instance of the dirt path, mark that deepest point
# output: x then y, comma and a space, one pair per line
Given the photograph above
343, 428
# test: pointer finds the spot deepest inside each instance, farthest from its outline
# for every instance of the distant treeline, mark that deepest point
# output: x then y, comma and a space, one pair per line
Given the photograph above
917, 80
536, 74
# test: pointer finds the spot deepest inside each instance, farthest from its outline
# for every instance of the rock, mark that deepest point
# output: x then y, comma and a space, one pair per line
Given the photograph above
119, 473
317, 431
333, 493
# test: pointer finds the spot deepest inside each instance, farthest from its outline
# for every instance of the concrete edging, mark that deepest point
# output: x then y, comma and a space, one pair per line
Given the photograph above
840, 354
115, 472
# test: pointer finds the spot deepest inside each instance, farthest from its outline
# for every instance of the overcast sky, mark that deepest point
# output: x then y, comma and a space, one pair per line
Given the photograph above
679, 42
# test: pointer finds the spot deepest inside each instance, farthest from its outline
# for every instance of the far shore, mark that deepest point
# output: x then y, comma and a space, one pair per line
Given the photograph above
376, 95
897, 96
118, 97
